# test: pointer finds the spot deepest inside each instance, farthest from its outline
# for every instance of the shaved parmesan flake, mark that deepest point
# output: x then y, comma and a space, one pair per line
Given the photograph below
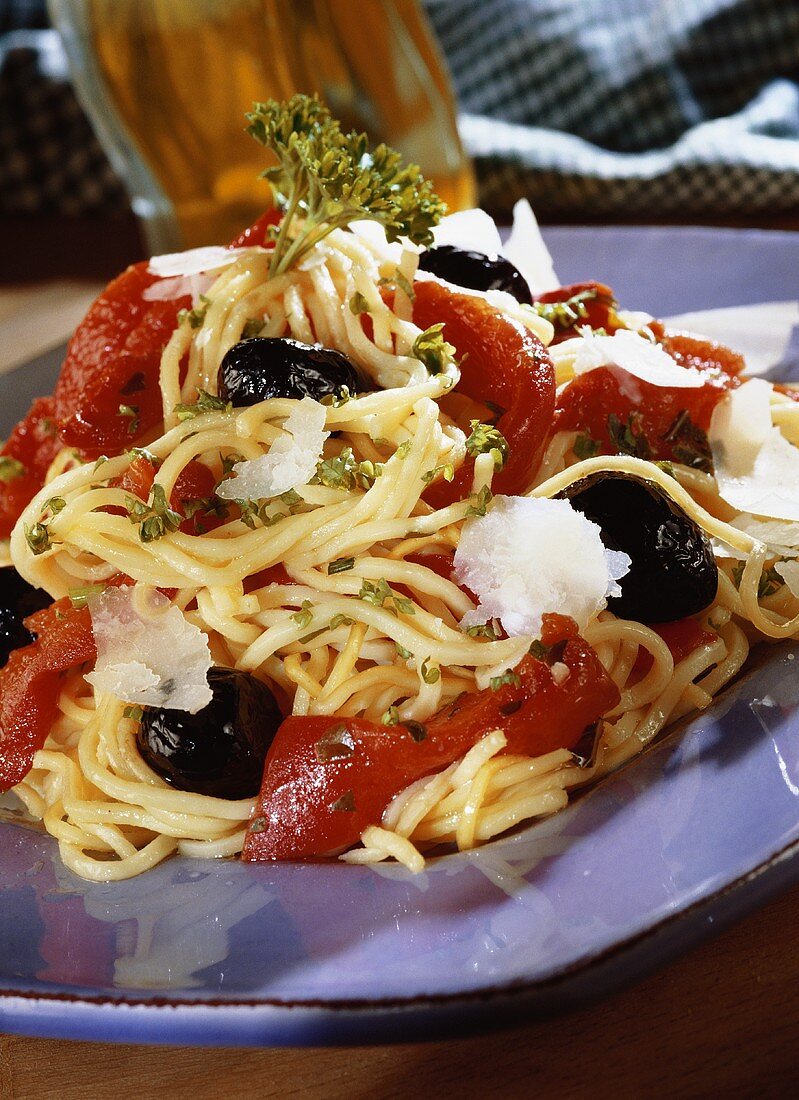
470, 229
290, 462
529, 556
781, 537
632, 353
789, 571
757, 469
180, 286
193, 262
526, 250
148, 653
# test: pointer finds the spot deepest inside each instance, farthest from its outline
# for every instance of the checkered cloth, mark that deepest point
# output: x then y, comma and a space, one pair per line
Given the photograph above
588, 107
631, 107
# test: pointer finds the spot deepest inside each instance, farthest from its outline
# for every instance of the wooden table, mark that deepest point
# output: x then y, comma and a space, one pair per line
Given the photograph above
722, 1020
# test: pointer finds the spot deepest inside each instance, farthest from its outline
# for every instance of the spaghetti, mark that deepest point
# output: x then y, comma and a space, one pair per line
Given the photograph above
329, 591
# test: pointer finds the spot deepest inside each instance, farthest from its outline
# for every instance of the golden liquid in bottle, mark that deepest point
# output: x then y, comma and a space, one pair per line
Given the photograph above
181, 74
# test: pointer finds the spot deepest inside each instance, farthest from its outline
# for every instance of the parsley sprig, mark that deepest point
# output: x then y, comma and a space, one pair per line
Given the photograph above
329, 179
156, 518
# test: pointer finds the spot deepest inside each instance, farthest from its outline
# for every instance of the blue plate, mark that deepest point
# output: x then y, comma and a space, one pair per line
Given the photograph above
700, 829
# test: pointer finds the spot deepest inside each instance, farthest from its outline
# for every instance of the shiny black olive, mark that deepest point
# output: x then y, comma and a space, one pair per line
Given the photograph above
18, 599
476, 270
673, 571
221, 750
275, 366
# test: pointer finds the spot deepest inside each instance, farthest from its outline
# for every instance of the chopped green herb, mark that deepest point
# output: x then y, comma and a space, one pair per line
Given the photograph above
229, 461
429, 675
485, 630
628, 438
10, 469
569, 312
100, 462
481, 502
769, 582
358, 304
340, 620
390, 717
54, 505
417, 731
404, 449
689, 443
538, 650
398, 280
206, 402
37, 537
252, 327
255, 511
346, 803
156, 518
132, 413
447, 471
379, 592
344, 471
194, 317
79, 597
585, 447
402, 652
508, 677
303, 617
136, 713
142, 452
336, 744
328, 179
336, 400
432, 350
485, 439
340, 565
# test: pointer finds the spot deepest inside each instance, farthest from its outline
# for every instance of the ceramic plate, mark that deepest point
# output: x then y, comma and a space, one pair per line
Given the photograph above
700, 829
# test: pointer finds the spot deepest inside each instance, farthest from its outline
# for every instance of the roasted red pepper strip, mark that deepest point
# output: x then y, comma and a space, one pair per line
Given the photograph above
599, 310
113, 360
588, 401
31, 680
502, 364
35, 444
326, 779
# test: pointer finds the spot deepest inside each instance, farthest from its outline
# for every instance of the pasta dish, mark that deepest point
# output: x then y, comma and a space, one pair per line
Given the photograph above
364, 538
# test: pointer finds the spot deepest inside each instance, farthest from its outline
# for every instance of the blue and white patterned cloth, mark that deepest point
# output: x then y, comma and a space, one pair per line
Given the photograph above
674, 108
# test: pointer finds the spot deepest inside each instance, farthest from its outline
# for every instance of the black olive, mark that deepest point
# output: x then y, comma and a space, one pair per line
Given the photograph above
221, 750
275, 366
673, 571
18, 599
476, 270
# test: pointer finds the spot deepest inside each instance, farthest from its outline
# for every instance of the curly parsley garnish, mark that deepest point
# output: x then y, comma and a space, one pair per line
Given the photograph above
328, 179
206, 402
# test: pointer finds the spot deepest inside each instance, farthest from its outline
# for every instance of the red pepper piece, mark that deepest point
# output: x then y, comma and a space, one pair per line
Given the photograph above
502, 365
35, 444
326, 779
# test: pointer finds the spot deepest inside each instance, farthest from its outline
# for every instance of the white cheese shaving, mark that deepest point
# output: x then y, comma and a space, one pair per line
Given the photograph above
789, 571
780, 536
194, 261
525, 247
526, 250
148, 653
632, 353
179, 286
529, 556
757, 469
290, 462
